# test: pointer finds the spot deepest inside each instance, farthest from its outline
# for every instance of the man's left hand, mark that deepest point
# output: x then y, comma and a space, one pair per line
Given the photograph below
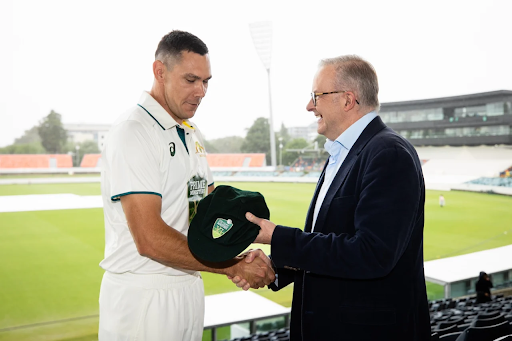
266, 228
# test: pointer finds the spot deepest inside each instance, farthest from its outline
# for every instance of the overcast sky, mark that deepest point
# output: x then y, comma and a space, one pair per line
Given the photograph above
90, 60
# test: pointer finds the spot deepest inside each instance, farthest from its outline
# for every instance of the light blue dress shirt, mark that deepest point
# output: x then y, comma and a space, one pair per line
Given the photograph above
338, 151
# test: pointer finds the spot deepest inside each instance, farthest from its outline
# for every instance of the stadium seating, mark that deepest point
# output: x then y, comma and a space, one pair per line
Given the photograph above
465, 153
313, 175
459, 319
278, 335
456, 165
450, 336
446, 330
465, 320
308, 164
255, 173
292, 174
14, 161
488, 333
91, 160
507, 173
505, 182
222, 173
484, 321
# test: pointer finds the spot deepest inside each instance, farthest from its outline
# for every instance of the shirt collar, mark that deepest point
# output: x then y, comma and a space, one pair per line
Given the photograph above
347, 139
158, 113
333, 148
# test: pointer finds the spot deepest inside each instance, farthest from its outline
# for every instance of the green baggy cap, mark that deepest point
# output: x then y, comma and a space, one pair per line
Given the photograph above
219, 231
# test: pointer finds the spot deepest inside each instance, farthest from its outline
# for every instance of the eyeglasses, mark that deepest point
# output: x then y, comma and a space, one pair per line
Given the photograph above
314, 95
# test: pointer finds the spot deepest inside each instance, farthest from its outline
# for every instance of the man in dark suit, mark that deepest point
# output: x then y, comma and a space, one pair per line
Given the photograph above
357, 268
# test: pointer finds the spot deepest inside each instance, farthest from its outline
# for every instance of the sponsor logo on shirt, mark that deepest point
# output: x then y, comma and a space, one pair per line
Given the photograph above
200, 150
197, 190
172, 148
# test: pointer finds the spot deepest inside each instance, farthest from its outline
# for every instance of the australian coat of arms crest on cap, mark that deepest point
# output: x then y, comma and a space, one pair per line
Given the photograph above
221, 227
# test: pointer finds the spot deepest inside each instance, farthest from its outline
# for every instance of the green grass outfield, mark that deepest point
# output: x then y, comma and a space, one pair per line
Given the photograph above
49, 259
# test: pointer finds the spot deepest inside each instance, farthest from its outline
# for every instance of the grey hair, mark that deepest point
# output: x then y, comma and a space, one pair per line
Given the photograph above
353, 73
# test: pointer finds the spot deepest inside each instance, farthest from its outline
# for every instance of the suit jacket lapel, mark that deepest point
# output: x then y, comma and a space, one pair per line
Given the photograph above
311, 210
368, 133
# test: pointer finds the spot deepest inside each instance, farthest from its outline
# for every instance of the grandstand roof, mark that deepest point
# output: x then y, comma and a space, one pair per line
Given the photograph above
464, 99
459, 268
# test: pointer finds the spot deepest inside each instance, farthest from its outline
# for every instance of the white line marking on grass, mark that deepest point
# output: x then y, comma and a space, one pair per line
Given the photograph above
45, 202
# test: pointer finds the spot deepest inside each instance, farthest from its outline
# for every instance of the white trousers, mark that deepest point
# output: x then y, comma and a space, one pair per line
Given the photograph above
151, 307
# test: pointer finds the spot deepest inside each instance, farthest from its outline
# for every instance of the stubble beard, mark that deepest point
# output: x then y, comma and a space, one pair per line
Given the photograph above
172, 112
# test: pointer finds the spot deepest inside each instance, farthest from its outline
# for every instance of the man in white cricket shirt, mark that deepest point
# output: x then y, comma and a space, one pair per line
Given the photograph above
154, 174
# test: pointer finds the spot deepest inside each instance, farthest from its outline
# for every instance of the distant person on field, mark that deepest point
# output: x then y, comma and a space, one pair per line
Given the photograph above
442, 202
483, 288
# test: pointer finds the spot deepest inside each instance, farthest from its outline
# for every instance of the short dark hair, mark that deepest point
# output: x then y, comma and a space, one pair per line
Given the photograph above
173, 43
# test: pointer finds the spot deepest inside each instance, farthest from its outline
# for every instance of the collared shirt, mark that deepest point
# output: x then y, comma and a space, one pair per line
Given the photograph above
148, 152
338, 151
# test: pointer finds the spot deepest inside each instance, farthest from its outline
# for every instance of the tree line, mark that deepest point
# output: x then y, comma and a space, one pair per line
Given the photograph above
257, 140
50, 137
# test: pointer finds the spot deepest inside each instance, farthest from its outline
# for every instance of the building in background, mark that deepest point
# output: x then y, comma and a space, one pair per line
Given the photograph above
467, 120
80, 132
308, 133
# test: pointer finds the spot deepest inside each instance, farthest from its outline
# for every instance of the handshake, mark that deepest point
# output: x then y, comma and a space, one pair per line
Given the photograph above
264, 273
253, 269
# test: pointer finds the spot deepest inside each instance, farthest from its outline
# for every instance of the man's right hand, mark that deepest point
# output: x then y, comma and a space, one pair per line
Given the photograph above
249, 257
255, 274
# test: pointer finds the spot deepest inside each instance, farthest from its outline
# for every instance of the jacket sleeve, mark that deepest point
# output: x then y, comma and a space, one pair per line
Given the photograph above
283, 278
389, 205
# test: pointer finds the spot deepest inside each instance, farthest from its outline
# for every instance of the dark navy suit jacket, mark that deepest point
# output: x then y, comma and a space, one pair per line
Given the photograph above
359, 275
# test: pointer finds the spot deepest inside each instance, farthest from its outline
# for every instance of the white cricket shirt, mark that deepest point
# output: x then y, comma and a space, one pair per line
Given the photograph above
144, 153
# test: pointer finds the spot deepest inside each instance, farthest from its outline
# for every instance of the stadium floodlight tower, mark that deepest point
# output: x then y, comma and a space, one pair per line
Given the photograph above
261, 33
